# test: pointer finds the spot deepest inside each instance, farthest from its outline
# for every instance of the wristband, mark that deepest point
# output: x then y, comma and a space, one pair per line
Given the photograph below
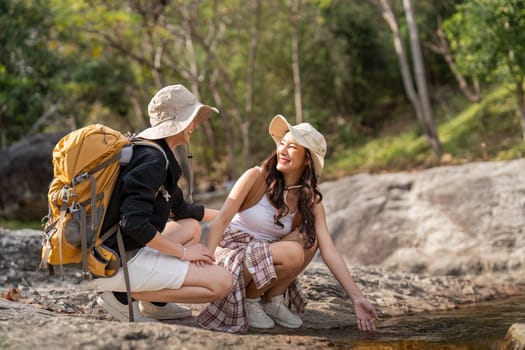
183, 252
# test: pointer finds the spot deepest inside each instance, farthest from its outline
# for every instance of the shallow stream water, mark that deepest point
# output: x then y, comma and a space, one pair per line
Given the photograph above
472, 327
478, 326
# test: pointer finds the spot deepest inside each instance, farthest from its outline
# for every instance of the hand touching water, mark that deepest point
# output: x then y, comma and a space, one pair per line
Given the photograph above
365, 314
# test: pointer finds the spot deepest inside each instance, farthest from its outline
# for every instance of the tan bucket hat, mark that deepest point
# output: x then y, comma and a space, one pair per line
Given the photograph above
305, 134
173, 109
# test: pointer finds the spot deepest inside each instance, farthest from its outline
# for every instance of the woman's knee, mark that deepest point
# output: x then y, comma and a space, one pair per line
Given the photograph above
221, 283
183, 231
192, 228
214, 278
289, 254
196, 231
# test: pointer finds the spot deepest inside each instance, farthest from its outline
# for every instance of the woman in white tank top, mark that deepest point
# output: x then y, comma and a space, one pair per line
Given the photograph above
269, 244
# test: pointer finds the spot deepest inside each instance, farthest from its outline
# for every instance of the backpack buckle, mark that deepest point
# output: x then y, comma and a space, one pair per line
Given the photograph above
65, 194
73, 208
80, 178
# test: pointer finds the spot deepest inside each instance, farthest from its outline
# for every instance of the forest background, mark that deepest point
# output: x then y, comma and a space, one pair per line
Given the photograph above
392, 84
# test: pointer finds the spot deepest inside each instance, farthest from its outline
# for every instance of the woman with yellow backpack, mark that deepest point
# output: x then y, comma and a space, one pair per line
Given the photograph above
160, 230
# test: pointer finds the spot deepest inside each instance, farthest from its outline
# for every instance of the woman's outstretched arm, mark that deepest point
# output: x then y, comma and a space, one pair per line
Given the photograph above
364, 311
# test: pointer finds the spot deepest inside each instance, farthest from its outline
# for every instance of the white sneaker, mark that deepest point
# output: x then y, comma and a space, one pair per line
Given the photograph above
281, 314
257, 318
118, 310
170, 311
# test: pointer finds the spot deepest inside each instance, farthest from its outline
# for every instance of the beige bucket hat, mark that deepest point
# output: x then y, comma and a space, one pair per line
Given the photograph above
305, 134
173, 109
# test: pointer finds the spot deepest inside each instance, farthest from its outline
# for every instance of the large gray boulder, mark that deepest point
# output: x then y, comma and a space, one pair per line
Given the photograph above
449, 220
25, 172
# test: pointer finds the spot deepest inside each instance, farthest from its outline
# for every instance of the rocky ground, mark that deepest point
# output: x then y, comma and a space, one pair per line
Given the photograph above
416, 242
56, 313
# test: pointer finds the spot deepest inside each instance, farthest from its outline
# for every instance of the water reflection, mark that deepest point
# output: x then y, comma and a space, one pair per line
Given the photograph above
479, 326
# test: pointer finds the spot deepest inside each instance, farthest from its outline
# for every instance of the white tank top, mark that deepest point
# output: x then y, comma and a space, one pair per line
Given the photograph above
258, 221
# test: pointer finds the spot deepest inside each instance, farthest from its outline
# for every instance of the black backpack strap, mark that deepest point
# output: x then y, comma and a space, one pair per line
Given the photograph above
124, 260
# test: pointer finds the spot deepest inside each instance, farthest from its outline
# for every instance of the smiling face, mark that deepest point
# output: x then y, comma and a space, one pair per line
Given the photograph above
291, 156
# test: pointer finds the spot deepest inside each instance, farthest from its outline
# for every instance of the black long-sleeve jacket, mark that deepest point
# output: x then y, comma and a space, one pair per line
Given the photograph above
140, 202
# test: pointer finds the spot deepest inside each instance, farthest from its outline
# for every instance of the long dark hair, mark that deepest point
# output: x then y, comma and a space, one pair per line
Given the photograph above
307, 195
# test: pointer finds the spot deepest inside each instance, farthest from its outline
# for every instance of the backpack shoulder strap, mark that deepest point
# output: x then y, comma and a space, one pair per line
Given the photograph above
127, 152
256, 192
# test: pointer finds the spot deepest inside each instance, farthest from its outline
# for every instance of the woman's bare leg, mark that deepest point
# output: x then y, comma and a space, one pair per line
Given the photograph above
285, 257
186, 231
279, 286
202, 285
288, 258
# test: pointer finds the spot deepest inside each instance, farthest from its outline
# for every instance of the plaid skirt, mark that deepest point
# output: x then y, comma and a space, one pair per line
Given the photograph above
236, 251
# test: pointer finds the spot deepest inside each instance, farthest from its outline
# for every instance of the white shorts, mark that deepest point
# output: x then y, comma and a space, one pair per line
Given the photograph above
149, 271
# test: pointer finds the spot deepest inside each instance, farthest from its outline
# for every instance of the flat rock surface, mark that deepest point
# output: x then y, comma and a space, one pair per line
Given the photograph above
63, 313
415, 242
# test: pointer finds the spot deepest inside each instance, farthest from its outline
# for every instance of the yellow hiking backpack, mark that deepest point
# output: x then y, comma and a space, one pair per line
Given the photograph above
86, 164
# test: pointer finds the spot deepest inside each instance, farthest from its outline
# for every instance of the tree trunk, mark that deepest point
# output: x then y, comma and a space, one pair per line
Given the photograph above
250, 85
404, 67
42, 120
442, 48
181, 151
421, 82
227, 124
228, 87
521, 104
295, 63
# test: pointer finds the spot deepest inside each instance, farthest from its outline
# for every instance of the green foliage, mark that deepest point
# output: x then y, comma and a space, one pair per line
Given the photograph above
488, 38
406, 150
488, 130
52, 66
482, 131
100, 60
27, 65
19, 225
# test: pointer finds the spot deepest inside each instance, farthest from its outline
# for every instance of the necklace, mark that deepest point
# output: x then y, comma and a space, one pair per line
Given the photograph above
288, 188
